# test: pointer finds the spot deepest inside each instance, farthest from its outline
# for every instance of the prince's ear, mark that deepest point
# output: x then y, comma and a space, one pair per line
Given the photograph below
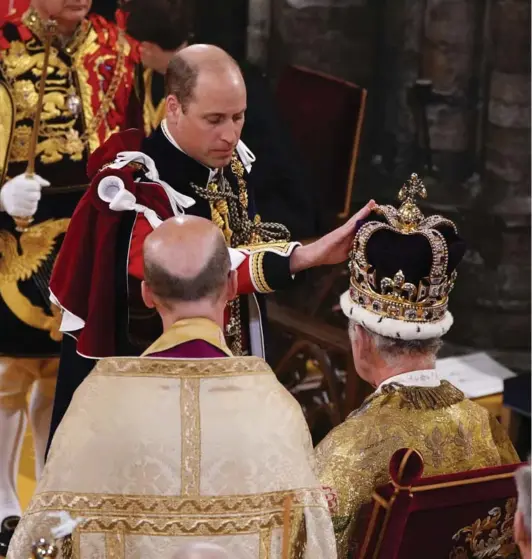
173, 108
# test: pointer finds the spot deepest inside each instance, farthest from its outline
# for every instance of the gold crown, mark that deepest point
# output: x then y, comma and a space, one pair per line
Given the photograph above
395, 297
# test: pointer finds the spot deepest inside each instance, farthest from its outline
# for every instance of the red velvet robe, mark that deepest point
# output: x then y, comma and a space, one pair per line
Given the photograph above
98, 271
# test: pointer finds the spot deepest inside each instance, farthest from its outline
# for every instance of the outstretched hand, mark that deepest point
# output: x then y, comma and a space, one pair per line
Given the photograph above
333, 248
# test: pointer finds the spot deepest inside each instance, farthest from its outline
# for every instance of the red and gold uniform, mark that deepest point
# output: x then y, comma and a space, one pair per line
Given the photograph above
136, 182
89, 94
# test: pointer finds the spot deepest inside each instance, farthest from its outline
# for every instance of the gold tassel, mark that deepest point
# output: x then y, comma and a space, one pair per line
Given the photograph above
66, 547
423, 397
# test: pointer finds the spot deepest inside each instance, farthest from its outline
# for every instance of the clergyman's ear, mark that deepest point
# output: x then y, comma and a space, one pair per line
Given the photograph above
147, 295
232, 285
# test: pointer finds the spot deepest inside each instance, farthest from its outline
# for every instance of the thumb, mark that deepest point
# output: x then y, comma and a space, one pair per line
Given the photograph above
366, 210
360, 215
40, 181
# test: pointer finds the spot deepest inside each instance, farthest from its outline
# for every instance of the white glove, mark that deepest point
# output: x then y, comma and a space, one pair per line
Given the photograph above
20, 196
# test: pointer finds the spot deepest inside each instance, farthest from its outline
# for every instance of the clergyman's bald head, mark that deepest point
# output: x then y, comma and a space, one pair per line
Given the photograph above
187, 64
186, 259
201, 551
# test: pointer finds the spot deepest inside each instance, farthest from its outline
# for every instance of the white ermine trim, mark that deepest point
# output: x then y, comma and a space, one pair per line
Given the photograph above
393, 328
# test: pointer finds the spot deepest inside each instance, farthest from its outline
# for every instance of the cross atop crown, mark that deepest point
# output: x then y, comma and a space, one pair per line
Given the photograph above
409, 214
412, 188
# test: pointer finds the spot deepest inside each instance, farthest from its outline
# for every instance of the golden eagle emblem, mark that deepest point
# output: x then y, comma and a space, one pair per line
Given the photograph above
19, 264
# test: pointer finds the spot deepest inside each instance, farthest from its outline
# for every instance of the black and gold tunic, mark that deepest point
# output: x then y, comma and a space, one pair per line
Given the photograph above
87, 97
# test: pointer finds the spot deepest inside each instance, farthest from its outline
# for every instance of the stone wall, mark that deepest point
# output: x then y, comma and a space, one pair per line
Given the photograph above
476, 53
334, 36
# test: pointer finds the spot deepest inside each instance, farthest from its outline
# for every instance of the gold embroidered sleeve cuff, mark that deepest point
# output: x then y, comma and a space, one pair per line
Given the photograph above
269, 265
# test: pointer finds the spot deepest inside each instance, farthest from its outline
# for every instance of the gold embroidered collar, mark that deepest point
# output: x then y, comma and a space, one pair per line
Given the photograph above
34, 23
187, 330
415, 397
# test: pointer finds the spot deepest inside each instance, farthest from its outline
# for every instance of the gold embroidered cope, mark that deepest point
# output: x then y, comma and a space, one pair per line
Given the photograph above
153, 453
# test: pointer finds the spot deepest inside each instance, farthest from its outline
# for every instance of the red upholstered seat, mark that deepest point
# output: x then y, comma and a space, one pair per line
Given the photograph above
325, 117
456, 516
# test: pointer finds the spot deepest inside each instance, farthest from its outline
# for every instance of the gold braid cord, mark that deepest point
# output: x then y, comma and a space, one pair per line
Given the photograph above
427, 398
229, 212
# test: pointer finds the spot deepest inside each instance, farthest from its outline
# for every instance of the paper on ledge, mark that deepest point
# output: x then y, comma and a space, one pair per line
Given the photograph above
476, 375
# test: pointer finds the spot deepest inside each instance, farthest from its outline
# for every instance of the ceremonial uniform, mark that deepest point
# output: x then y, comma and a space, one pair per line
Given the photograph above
402, 269
136, 183
282, 184
166, 449
88, 95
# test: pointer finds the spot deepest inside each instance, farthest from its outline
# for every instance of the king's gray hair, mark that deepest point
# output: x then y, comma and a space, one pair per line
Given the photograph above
522, 480
392, 349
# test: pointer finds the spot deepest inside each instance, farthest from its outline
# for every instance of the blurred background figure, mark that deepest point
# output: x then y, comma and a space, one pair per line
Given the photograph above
522, 529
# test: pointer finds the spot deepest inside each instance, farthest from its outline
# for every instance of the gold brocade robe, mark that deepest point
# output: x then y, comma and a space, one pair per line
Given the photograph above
353, 459
154, 453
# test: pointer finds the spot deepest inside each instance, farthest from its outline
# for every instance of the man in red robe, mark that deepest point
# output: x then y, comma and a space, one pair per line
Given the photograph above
194, 162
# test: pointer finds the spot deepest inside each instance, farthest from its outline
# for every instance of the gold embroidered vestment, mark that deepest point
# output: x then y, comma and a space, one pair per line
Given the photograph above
353, 459
154, 453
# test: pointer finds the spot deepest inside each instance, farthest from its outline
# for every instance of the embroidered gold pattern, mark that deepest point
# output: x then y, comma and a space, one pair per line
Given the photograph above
354, 457
200, 368
93, 135
190, 437
152, 115
394, 297
36, 244
265, 543
257, 269
489, 538
115, 544
7, 128
280, 247
174, 516
21, 67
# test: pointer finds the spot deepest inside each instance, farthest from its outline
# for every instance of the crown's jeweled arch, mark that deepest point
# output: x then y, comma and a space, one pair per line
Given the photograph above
394, 297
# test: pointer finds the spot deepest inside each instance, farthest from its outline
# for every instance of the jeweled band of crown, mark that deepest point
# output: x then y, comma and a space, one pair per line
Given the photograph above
394, 297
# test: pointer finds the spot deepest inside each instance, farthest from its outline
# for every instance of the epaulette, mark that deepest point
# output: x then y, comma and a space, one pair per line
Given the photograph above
108, 33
